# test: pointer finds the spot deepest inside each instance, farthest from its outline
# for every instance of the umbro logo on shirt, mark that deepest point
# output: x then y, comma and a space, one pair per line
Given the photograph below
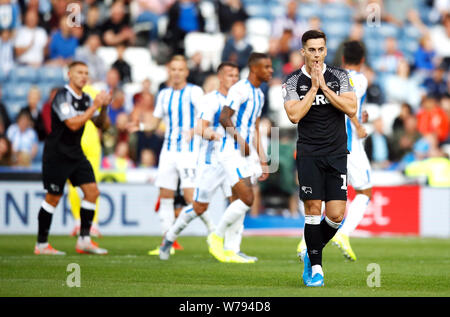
303, 88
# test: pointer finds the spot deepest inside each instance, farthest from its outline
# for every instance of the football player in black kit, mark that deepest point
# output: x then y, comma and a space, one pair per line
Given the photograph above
318, 97
63, 158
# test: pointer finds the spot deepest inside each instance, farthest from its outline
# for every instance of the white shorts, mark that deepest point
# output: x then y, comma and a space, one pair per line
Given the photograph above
358, 167
174, 166
210, 177
236, 166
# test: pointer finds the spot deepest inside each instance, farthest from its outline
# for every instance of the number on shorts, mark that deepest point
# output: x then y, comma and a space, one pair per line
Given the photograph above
344, 181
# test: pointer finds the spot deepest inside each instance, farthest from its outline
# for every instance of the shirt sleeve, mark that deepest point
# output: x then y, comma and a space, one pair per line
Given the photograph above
289, 88
207, 109
196, 97
62, 106
345, 82
236, 97
261, 106
159, 108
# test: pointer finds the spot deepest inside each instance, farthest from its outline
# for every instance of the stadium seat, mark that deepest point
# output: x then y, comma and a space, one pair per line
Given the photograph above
3, 76
259, 43
277, 107
277, 10
20, 74
15, 91
336, 12
388, 30
389, 112
411, 32
45, 89
212, 53
139, 59
259, 11
108, 55
258, 26
13, 107
308, 10
51, 74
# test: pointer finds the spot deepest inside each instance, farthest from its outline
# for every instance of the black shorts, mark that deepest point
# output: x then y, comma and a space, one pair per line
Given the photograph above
322, 177
55, 173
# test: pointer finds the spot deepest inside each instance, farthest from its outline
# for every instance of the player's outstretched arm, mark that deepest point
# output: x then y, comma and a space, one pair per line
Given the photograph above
141, 126
227, 123
203, 129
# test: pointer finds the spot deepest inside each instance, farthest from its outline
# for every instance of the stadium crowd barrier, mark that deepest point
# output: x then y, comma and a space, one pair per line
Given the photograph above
128, 209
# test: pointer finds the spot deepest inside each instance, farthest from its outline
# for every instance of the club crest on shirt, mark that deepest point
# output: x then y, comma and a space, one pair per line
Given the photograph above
333, 84
65, 108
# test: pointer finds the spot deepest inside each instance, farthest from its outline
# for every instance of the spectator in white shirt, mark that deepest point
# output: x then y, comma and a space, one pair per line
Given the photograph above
31, 41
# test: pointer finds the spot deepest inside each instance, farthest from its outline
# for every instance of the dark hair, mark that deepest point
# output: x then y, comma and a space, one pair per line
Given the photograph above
24, 112
76, 63
255, 57
313, 34
353, 52
225, 64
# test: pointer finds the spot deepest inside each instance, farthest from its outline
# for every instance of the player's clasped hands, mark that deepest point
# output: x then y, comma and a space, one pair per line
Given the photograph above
102, 99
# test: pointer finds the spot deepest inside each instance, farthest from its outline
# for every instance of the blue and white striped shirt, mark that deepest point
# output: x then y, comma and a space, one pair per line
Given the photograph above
178, 109
211, 106
360, 84
247, 102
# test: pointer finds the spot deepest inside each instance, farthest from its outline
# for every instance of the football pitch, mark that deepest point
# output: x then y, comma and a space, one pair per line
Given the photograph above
404, 266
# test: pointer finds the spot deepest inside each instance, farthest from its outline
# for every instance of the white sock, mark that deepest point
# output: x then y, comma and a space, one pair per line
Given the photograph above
355, 214
316, 269
233, 212
233, 235
42, 245
86, 239
207, 221
186, 215
166, 213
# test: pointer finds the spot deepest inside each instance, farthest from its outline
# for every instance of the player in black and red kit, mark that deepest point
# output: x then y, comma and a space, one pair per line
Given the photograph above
318, 97
64, 159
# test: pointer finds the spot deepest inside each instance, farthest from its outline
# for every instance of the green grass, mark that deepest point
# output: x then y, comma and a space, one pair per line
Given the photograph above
409, 267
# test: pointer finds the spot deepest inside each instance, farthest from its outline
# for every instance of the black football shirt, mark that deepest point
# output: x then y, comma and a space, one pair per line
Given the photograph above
62, 141
322, 130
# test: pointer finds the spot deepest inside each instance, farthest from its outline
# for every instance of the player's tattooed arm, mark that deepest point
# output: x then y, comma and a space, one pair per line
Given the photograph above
225, 121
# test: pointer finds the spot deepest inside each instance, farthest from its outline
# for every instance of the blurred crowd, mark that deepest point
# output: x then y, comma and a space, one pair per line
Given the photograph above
407, 64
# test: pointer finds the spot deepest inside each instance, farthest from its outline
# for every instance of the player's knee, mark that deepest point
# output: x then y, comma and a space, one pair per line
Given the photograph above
92, 194
199, 208
336, 218
248, 198
367, 192
313, 207
52, 199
